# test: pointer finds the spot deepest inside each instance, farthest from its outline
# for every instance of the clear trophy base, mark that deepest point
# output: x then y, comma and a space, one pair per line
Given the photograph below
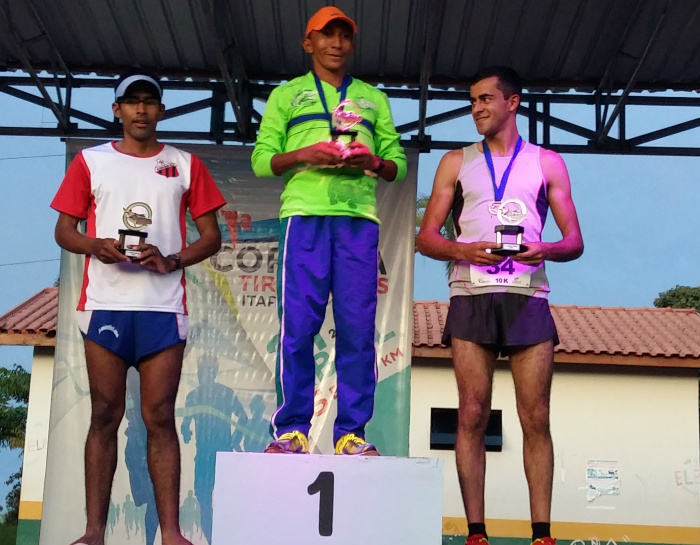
509, 248
137, 237
337, 138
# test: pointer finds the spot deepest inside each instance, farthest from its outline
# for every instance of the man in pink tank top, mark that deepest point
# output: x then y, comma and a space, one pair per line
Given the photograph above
498, 292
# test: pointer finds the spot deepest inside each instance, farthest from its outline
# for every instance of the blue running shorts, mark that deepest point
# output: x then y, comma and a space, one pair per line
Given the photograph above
133, 335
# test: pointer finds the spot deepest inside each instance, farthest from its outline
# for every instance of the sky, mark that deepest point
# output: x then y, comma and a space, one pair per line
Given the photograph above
640, 216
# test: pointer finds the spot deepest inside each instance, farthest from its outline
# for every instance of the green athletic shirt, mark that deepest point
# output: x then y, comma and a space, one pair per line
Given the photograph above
313, 190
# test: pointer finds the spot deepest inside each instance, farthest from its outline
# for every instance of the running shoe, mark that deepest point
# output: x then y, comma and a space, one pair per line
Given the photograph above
293, 442
355, 445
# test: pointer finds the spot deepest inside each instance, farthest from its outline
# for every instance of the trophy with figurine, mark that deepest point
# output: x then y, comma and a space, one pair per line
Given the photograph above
344, 117
136, 217
509, 234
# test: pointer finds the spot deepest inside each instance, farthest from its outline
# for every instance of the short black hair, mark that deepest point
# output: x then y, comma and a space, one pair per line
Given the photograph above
508, 79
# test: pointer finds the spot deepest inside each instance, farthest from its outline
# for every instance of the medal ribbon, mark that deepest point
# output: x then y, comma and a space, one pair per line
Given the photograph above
343, 89
500, 189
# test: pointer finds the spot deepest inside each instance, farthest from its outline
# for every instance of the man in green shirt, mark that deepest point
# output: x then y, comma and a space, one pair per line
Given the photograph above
329, 231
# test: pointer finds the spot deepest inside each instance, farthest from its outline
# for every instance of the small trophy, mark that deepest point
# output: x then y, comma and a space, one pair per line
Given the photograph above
345, 116
510, 213
136, 217
129, 237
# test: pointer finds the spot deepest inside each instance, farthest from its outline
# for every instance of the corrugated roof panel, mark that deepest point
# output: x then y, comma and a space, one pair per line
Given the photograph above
679, 44
551, 43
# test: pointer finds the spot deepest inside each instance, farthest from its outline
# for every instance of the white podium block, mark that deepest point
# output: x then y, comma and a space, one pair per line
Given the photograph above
299, 499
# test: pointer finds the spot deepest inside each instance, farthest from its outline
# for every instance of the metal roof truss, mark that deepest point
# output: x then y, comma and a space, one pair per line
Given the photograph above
544, 127
61, 107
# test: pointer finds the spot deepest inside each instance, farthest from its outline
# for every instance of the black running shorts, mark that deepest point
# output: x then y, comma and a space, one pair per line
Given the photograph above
500, 321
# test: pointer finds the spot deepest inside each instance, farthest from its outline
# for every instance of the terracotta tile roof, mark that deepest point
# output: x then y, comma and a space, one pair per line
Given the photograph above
594, 331
31, 320
636, 331
587, 334
429, 322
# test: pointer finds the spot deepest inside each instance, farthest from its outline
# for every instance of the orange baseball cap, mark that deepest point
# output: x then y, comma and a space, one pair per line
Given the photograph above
324, 16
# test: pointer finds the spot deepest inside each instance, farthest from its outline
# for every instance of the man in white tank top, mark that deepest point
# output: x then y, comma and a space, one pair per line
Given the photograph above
498, 303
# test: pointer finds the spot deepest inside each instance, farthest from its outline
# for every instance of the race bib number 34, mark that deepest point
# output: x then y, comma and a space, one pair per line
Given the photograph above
506, 273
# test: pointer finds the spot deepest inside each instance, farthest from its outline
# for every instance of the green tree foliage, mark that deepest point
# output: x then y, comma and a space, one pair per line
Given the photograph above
448, 230
8, 534
14, 397
679, 297
11, 511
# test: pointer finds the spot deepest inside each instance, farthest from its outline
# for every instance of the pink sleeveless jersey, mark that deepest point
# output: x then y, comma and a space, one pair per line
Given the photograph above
475, 218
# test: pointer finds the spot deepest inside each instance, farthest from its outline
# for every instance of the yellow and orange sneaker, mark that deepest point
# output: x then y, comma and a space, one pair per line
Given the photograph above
293, 442
355, 445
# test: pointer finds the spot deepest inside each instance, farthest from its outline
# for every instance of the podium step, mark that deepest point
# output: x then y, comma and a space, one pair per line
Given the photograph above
296, 499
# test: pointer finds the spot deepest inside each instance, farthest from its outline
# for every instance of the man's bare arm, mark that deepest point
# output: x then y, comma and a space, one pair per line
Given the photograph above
431, 242
69, 238
207, 244
570, 246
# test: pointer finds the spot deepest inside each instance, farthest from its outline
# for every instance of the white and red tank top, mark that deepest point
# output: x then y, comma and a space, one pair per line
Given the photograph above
474, 222
113, 191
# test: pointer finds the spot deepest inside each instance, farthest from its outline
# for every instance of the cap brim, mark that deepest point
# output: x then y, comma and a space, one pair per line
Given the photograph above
124, 85
349, 21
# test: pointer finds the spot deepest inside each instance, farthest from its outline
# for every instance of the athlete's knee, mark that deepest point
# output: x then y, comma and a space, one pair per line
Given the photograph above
473, 416
534, 419
106, 414
158, 416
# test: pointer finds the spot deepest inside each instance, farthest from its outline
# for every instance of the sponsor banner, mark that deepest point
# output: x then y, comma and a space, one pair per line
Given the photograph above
227, 389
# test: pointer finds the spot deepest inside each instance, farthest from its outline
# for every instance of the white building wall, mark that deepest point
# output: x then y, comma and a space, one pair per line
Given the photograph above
645, 421
37, 433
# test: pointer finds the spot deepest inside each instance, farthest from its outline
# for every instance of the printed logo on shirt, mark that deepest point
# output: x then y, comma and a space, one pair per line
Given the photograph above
306, 96
169, 170
137, 216
366, 104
